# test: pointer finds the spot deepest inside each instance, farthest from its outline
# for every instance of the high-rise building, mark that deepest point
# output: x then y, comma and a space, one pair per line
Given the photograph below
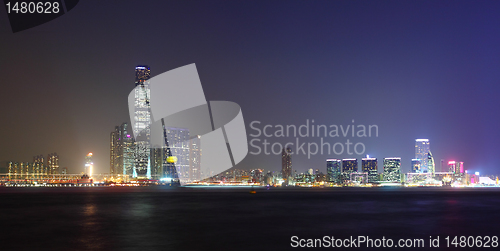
369, 166
334, 170
39, 165
422, 149
12, 167
456, 167
122, 154
142, 131
114, 152
16, 168
431, 166
286, 164
127, 146
177, 156
348, 166
157, 162
195, 158
27, 168
416, 165
392, 169
89, 164
177, 153
459, 173
53, 163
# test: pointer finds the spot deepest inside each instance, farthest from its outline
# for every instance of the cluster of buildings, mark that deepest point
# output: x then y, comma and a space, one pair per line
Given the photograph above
349, 172
41, 171
135, 156
178, 155
39, 167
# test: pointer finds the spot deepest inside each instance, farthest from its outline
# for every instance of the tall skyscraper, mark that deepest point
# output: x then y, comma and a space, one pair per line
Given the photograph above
142, 113
122, 151
89, 164
39, 165
431, 166
53, 163
113, 152
392, 169
369, 165
195, 158
334, 170
286, 164
177, 153
348, 166
422, 149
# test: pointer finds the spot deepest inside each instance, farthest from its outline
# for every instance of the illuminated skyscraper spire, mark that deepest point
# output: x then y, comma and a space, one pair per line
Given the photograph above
142, 113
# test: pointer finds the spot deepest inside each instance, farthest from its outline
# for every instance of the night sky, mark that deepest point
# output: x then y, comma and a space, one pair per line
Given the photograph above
417, 69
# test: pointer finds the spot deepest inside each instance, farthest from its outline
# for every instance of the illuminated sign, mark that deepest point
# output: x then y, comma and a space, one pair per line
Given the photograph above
171, 159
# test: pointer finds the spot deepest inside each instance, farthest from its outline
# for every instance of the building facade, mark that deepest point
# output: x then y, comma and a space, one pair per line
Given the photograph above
39, 167
431, 165
177, 153
369, 166
392, 169
52, 163
416, 165
195, 158
286, 164
348, 166
122, 151
334, 170
142, 116
422, 148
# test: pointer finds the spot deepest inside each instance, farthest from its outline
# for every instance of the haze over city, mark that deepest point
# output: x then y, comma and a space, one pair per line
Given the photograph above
421, 69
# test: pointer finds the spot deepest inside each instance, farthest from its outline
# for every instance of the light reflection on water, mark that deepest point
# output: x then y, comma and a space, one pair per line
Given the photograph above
198, 219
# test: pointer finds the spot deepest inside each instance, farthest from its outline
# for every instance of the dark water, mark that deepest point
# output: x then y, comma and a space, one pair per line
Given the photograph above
164, 218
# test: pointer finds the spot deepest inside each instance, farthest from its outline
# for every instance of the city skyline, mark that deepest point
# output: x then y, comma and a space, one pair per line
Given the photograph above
375, 63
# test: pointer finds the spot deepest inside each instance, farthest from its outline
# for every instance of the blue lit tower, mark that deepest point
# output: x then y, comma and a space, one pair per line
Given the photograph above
422, 149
